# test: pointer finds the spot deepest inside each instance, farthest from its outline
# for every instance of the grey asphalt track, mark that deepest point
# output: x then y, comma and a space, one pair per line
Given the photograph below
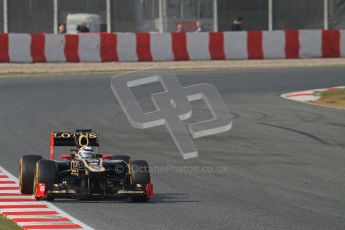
282, 166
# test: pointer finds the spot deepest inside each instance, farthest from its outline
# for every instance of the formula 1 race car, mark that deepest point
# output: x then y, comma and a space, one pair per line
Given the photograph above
83, 173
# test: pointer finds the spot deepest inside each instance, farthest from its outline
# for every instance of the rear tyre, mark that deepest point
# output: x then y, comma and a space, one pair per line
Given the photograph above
140, 174
46, 172
26, 173
122, 157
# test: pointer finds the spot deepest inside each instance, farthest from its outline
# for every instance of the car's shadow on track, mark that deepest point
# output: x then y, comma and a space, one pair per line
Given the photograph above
173, 198
159, 198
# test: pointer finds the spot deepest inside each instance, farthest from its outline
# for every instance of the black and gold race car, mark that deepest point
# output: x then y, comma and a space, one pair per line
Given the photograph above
84, 172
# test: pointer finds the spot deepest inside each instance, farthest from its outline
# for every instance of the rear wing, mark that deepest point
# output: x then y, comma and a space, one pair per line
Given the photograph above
76, 139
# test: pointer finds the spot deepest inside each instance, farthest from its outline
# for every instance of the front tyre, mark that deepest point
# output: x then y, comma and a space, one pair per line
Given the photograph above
46, 172
140, 174
26, 173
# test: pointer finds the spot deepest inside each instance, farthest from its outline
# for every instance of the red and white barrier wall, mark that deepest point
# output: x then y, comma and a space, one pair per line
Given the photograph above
107, 47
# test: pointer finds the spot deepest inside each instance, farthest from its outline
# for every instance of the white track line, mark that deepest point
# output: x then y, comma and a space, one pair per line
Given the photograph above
16, 197
50, 207
44, 223
6, 179
25, 210
11, 190
21, 203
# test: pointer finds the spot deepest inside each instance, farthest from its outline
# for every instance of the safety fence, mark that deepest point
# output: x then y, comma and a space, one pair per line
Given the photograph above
112, 47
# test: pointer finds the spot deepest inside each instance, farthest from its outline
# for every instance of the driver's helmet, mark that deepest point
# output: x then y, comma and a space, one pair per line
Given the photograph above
86, 152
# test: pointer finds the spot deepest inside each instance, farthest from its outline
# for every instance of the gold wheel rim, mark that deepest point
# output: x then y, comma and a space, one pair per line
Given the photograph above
130, 172
35, 177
